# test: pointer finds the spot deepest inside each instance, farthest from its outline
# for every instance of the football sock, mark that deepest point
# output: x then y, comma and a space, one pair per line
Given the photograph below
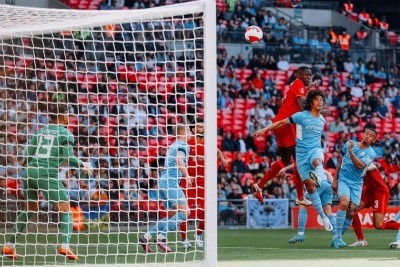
271, 173
173, 223
319, 171
340, 218
398, 236
66, 226
183, 227
298, 183
332, 220
316, 201
357, 227
200, 228
302, 220
346, 225
20, 225
397, 217
158, 227
390, 225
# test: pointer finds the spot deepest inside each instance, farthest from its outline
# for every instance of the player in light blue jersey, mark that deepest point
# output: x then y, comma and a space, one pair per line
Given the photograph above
350, 171
326, 194
170, 192
309, 155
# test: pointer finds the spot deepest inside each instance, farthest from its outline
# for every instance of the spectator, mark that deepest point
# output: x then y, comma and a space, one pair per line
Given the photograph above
224, 101
247, 186
382, 110
241, 143
333, 160
253, 166
228, 143
356, 91
235, 202
238, 164
336, 126
348, 65
363, 16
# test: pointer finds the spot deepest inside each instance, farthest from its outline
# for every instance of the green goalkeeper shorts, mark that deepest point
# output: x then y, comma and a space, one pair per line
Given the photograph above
39, 180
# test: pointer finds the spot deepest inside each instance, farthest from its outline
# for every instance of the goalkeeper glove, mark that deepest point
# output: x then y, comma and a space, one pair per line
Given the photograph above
87, 167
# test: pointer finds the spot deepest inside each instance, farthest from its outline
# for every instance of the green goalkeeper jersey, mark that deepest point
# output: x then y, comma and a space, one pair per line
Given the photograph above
50, 148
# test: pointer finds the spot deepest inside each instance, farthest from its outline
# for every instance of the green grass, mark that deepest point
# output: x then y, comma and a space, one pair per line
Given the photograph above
242, 244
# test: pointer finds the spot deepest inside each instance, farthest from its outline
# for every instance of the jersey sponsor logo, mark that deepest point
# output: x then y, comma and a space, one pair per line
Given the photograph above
302, 90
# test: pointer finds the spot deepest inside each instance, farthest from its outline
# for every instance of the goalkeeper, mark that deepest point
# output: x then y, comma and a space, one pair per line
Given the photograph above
47, 151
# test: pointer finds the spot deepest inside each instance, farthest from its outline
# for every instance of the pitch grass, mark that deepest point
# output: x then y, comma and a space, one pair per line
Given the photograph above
233, 245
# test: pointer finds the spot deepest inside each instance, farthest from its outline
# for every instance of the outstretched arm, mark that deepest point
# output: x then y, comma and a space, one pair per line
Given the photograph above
273, 126
68, 155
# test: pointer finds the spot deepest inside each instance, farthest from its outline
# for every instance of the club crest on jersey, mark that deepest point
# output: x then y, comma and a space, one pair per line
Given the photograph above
302, 90
362, 154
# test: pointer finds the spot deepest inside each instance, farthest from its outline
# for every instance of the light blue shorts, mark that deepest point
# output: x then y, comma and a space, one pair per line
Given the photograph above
171, 194
353, 191
304, 161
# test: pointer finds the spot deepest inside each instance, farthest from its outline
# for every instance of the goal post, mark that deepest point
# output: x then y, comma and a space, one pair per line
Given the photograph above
127, 78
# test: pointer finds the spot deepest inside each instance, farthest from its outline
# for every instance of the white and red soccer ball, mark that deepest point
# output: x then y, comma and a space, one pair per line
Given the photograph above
253, 34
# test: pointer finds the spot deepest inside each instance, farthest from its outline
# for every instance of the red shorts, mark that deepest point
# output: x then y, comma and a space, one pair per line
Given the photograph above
286, 136
378, 200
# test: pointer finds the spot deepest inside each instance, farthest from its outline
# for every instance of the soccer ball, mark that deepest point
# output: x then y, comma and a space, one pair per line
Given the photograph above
253, 34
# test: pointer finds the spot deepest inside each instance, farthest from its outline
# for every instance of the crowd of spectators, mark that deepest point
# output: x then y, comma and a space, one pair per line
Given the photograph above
120, 123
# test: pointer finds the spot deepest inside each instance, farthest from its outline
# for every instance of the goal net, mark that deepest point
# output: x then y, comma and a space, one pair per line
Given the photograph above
127, 77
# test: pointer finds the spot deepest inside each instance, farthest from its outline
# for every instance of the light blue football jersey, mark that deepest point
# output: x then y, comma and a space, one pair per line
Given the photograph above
308, 130
348, 171
171, 171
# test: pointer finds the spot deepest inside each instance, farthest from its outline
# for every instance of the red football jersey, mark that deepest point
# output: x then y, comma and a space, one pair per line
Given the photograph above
289, 103
196, 159
373, 182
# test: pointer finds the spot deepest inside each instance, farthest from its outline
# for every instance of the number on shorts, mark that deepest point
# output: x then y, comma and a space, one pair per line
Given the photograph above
45, 143
376, 204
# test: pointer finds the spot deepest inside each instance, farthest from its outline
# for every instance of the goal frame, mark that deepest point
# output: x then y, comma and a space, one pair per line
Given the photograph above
15, 29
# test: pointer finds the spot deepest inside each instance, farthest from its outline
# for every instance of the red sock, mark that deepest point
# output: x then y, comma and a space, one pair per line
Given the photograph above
392, 225
271, 173
357, 227
200, 217
183, 227
299, 183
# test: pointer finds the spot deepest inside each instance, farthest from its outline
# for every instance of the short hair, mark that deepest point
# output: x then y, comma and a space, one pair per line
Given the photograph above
57, 109
372, 129
311, 96
303, 68
178, 128
195, 121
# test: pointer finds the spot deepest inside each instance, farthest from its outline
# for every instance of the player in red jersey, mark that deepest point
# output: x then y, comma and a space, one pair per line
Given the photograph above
195, 193
375, 194
286, 136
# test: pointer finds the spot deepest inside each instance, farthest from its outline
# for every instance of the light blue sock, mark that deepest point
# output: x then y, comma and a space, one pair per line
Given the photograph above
319, 171
316, 201
340, 218
158, 227
346, 225
173, 223
332, 220
398, 236
397, 217
302, 220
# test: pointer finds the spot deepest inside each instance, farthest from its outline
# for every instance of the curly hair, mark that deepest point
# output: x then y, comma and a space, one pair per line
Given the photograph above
311, 96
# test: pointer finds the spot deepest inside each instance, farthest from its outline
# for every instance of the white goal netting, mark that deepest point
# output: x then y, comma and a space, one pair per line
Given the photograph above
128, 78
